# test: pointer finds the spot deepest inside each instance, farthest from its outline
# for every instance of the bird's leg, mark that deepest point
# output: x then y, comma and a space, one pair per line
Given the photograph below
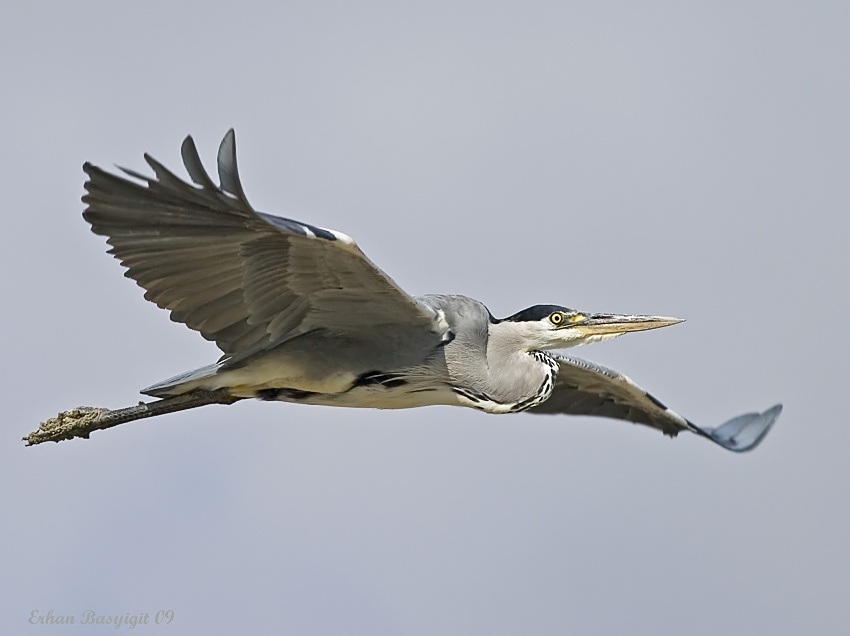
81, 421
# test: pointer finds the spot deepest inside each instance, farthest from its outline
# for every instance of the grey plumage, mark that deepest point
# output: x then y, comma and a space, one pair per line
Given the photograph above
301, 315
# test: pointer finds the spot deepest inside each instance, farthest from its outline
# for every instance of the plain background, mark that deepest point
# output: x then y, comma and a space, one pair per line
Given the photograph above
678, 158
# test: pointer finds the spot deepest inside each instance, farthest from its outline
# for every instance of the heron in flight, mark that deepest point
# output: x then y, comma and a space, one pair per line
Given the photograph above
302, 315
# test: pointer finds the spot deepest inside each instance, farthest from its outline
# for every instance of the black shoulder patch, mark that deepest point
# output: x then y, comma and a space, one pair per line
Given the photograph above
536, 312
656, 401
271, 395
296, 227
386, 380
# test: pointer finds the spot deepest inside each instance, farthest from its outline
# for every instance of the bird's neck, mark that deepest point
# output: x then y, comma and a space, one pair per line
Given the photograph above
516, 375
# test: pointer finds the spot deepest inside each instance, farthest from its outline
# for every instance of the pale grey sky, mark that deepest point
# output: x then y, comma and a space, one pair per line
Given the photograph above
687, 159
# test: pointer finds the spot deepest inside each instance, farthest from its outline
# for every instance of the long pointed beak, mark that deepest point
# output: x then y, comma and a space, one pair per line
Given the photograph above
608, 324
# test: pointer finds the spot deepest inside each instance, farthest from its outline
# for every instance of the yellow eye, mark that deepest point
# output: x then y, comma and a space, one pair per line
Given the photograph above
556, 318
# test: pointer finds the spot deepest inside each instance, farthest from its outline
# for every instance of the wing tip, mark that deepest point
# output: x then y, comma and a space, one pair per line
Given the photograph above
744, 432
188, 142
228, 168
227, 147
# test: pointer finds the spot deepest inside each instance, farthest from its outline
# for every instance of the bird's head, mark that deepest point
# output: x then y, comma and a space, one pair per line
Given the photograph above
543, 327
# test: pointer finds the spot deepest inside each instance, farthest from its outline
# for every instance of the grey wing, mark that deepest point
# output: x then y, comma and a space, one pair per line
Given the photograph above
586, 388
242, 278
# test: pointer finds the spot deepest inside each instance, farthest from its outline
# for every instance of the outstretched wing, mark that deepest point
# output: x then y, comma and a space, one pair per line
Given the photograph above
242, 278
586, 388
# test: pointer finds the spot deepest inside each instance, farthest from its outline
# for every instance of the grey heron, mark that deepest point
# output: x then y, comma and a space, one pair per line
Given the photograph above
302, 315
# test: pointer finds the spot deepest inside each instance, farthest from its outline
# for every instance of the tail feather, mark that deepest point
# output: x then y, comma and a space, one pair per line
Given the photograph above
181, 383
